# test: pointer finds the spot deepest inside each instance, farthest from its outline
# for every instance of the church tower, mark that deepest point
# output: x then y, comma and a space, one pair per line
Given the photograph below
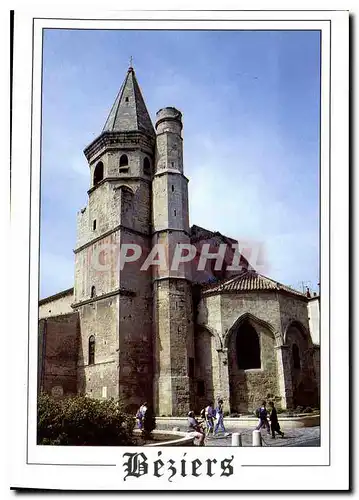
115, 301
172, 290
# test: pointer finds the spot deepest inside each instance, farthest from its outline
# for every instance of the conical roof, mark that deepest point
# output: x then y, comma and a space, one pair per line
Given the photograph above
129, 112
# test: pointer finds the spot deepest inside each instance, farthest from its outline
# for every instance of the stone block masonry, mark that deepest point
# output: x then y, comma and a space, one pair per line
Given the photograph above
58, 354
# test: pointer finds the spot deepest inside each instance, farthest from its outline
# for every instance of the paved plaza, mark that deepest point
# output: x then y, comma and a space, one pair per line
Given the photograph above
302, 436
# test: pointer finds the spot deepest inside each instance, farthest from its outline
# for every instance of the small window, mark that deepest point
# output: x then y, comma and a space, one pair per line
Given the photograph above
93, 292
296, 357
200, 388
126, 99
191, 367
124, 161
172, 164
146, 166
173, 188
174, 212
92, 350
94, 224
98, 173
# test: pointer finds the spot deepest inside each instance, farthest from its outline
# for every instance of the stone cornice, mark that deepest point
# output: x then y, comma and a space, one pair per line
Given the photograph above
162, 278
170, 132
57, 296
168, 229
170, 171
107, 233
118, 291
119, 179
118, 140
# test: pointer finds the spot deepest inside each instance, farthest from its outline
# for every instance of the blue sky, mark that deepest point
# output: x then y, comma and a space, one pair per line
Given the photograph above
250, 104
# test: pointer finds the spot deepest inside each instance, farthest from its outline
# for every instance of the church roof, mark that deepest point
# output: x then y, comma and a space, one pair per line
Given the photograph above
198, 233
129, 112
249, 281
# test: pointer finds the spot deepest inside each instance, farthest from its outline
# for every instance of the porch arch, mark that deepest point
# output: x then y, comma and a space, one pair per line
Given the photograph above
253, 321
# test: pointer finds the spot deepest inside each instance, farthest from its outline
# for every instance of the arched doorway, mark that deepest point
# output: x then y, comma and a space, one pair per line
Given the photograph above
252, 365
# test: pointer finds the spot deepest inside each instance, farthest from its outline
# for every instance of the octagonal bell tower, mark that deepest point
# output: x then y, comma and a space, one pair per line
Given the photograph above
115, 302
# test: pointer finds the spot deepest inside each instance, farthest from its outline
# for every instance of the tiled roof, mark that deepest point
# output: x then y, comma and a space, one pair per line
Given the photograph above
249, 281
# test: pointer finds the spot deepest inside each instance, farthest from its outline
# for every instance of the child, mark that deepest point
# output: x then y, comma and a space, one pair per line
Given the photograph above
274, 424
263, 414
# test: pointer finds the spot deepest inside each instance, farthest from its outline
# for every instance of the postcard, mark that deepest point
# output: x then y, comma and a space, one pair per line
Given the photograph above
179, 179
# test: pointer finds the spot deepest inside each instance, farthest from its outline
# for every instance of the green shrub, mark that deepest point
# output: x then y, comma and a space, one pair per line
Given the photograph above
82, 421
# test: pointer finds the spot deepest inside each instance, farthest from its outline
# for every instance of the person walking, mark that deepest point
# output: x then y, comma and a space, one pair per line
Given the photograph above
139, 418
194, 429
263, 417
219, 416
274, 424
209, 414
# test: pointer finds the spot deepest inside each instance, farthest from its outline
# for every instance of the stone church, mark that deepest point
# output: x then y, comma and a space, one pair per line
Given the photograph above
175, 338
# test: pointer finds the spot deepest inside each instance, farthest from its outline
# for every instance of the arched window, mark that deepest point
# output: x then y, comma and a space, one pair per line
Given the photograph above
146, 166
93, 292
248, 347
123, 161
98, 173
92, 350
296, 356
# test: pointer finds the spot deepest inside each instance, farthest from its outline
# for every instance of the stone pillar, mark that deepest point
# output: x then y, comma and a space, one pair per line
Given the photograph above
256, 438
285, 376
223, 378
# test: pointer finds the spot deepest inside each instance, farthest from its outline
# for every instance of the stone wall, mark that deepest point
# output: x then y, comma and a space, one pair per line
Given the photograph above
304, 380
206, 368
58, 352
220, 312
56, 304
173, 347
99, 319
249, 387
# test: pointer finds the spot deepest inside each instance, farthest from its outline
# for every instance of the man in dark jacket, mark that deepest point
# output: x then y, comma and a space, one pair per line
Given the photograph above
274, 424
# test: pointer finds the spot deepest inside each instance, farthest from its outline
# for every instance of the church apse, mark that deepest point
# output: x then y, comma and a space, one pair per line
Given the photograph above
252, 368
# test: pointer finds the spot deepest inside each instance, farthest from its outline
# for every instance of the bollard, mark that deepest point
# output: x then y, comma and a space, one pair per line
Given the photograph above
236, 439
257, 438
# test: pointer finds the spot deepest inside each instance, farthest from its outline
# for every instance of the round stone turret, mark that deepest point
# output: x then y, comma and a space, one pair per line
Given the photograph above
168, 120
